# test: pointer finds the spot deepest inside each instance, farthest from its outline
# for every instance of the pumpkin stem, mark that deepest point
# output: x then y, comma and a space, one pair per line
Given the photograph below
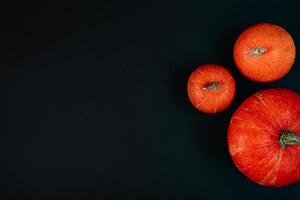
287, 138
257, 51
212, 86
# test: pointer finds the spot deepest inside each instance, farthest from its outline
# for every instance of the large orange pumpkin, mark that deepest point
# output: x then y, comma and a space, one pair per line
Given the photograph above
264, 137
264, 52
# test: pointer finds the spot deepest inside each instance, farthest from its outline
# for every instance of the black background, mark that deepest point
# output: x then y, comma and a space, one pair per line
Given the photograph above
93, 102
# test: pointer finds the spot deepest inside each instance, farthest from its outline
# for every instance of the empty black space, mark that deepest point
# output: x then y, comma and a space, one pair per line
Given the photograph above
93, 98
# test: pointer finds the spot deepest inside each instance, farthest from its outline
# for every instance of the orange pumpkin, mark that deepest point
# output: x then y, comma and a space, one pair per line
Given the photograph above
211, 88
264, 52
264, 137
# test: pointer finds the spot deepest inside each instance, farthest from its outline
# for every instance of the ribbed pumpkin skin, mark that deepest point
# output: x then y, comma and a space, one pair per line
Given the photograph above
253, 137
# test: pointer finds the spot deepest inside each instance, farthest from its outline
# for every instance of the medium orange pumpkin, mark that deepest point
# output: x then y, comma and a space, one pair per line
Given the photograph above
264, 52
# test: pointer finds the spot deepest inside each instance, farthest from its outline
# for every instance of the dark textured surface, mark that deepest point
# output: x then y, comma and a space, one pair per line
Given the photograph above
93, 101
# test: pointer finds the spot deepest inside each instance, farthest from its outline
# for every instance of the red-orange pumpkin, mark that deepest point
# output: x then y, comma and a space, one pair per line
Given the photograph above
263, 137
211, 88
